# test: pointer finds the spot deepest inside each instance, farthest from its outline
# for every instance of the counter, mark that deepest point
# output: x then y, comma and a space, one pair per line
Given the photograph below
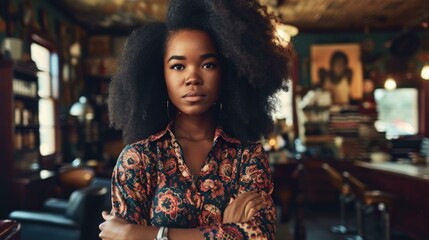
410, 186
404, 169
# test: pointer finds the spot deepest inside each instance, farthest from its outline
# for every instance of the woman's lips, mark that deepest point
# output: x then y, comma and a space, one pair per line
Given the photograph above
194, 96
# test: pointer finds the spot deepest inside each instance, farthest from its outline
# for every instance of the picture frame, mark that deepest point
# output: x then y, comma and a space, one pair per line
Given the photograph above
338, 69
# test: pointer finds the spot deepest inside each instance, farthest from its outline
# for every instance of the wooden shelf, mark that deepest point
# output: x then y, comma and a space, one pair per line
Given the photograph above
28, 127
26, 98
25, 69
23, 157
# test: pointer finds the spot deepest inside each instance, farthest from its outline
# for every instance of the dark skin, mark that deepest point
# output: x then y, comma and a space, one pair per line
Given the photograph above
195, 150
193, 78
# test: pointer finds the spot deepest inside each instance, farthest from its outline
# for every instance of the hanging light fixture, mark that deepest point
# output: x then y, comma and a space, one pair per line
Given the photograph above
82, 109
284, 33
390, 84
425, 72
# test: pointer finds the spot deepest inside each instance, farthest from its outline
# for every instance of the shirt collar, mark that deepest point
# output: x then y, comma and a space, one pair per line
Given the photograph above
219, 133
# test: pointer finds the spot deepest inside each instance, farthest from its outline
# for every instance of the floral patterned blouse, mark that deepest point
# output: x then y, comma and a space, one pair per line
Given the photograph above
152, 186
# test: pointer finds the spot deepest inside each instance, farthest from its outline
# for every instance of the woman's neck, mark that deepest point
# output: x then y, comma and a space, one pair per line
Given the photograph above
194, 128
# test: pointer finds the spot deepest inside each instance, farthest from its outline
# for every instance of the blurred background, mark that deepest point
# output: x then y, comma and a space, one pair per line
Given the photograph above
356, 117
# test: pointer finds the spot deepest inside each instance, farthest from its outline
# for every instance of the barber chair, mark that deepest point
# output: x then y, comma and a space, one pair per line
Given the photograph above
345, 196
368, 201
72, 178
79, 222
58, 205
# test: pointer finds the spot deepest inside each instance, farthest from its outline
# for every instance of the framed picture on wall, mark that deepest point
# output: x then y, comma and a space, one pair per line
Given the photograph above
337, 68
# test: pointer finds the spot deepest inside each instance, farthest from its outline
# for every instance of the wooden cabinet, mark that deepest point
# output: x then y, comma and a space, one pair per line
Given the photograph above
19, 128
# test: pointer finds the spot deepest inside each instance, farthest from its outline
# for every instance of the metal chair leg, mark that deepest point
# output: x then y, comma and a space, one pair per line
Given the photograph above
359, 219
386, 220
359, 223
343, 227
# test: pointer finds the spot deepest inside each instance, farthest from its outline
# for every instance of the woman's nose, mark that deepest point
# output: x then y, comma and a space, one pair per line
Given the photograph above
193, 79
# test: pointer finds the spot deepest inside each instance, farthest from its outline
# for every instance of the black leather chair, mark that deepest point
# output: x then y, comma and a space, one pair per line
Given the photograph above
58, 205
79, 222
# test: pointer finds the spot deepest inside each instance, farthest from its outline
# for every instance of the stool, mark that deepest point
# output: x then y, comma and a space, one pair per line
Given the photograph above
345, 197
366, 201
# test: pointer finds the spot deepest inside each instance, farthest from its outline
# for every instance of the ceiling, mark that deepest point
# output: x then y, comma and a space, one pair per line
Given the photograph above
307, 15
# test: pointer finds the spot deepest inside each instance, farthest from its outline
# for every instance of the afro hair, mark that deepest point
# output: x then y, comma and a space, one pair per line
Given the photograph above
254, 67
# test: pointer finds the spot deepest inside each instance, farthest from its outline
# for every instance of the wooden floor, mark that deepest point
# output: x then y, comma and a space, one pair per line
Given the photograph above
318, 222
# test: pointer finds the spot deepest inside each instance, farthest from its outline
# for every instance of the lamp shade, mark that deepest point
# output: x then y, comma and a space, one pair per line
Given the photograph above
82, 109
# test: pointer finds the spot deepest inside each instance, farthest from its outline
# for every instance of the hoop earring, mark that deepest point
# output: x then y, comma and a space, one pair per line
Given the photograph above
220, 111
168, 109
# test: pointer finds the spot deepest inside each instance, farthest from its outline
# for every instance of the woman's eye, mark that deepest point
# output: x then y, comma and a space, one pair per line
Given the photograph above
177, 67
209, 65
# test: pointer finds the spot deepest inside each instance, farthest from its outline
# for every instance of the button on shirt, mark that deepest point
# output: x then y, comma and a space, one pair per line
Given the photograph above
152, 186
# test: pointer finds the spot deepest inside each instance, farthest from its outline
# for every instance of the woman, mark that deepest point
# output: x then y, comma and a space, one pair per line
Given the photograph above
191, 97
338, 79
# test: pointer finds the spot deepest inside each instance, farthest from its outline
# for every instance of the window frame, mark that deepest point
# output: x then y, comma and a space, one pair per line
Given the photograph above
49, 161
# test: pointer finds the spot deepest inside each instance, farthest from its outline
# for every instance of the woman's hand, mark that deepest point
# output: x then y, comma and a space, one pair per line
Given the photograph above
243, 207
113, 228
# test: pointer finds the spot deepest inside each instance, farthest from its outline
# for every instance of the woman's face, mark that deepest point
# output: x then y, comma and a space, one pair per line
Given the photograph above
192, 71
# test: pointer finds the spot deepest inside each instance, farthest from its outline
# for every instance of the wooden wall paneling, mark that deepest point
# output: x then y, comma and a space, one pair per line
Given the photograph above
6, 134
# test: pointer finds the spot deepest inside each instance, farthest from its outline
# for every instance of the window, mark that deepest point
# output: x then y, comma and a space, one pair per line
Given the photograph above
48, 79
284, 104
397, 112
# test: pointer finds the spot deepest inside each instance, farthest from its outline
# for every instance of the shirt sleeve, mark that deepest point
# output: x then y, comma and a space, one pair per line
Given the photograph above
129, 187
255, 175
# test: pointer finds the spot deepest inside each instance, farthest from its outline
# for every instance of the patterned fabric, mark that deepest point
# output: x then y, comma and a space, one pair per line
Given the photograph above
152, 186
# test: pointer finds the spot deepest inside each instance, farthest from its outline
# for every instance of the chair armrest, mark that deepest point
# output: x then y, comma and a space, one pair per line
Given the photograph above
9, 229
43, 218
55, 205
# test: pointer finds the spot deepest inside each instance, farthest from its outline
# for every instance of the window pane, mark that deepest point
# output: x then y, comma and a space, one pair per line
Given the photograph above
40, 55
48, 80
47, 141
397, 111
44, 82
46, 113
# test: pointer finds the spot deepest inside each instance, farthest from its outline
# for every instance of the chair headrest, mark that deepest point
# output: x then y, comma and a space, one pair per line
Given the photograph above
82, 201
